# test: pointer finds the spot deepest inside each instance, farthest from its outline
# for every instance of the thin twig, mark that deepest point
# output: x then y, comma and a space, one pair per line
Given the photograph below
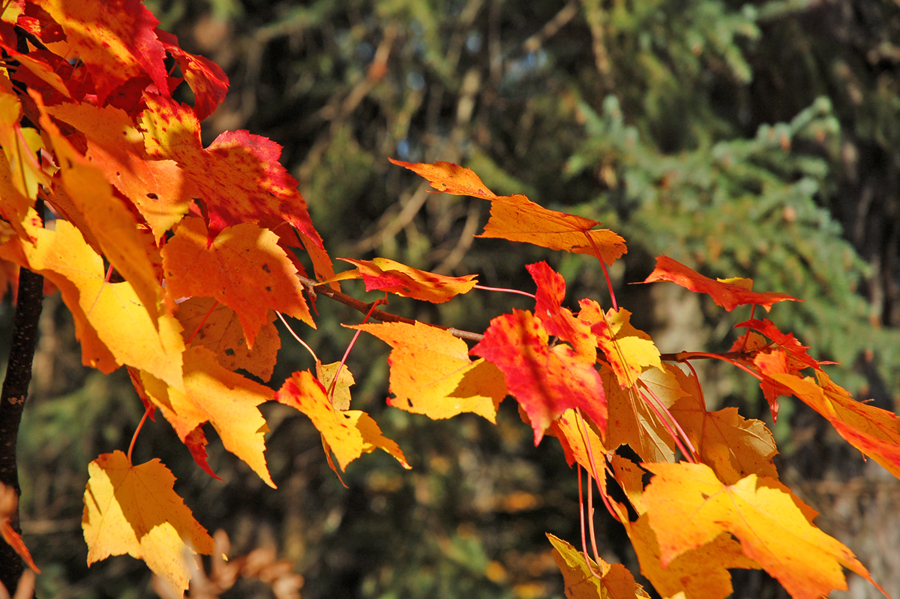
315, 289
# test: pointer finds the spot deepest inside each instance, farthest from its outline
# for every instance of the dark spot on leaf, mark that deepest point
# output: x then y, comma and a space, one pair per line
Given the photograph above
266, 268
152, 196
269, 289
409, 401
229, 352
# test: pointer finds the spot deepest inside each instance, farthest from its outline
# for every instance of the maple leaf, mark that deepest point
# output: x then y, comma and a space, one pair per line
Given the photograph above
615, 580
207, 79
726, 442
580, 441
517, 218
872, 430
798, 358
20, 147
114, 32
157, 188
431, 373
631, 420
218, 328
546, 382
628, 350
238, 177
559, 321
134, 510
450, 178
339, 390
223, 398
244, 268
101, 310
700, 573
724, 294
689, 507
348, 434
109, 222
384, 274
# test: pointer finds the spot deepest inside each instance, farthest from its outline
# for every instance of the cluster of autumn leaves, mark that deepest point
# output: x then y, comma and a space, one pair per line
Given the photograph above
175, 259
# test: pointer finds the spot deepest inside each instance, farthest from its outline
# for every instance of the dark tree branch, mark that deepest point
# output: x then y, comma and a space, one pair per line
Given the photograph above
12, 400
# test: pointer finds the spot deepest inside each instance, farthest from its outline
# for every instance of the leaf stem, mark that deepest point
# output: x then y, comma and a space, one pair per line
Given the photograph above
297, 337
504, 290
137, 430
612, 294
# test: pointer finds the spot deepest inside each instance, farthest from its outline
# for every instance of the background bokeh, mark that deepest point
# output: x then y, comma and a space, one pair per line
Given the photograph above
756, 139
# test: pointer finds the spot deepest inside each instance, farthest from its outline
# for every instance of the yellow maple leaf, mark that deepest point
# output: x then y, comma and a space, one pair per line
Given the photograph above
134, 510
614, 581
431, 373
348, 434
223, 398
688, 507
628, 350
340, 396
101, 310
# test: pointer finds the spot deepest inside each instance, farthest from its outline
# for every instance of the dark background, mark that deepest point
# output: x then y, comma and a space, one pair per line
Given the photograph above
757, 139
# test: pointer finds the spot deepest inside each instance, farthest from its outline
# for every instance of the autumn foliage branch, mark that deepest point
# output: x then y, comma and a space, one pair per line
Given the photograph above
175, 259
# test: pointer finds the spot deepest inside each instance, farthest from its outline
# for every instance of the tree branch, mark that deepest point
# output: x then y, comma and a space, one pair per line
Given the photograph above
12, 401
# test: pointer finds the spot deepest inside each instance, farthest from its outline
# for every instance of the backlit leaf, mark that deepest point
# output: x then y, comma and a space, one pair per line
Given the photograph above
383, 274
545, 381
689, 507
223, 398
115, 39
727, 295
615, 581
217, 328
134, 510
348, 434
238, 177
431, 373
244, 268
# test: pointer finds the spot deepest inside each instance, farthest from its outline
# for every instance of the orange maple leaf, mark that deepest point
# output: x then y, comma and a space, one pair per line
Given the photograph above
158, 189
134, 510
727, 294
731, 445
105, 217
545, 381
431, 373
244, 268
101, 310
689, 507
516, 218
384, 274
348, 434
450, 178
872, 430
